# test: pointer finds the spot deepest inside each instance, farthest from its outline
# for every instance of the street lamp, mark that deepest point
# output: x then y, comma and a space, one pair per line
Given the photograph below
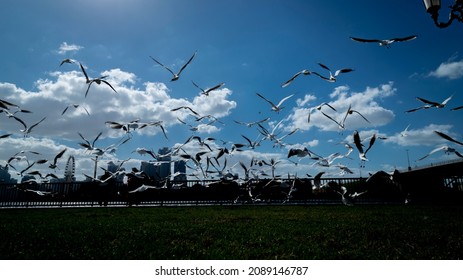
456, 12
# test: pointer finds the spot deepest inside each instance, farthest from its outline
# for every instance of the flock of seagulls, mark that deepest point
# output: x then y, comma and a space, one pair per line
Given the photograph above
211, 158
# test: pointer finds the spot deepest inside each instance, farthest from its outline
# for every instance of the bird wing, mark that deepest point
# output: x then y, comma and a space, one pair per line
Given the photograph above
433, 151
340, 125
36, 124
316, 179
403, 39
214, 88
271, 103
427, 101
372, 141
59, 155
446, 100
366, 40
324, 66
347, 113
414, 109
88, 87
167, 68
321, 76
186, 64
198, 87
445, 136
305, 72
344, 70
355, 111
85, 73
21, 121
456, 108
284, 99
106, 82
96, 138
358, 142
64, 111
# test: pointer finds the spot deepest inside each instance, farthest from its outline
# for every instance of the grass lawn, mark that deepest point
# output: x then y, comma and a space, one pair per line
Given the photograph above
325, 232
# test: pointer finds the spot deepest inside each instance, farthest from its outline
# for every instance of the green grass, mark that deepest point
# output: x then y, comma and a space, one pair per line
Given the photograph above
244, 232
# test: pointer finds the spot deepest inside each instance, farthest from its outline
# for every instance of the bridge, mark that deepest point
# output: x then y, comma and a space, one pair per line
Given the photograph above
432, 180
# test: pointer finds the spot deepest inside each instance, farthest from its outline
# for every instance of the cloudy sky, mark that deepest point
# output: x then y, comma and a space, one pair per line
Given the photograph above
250, 46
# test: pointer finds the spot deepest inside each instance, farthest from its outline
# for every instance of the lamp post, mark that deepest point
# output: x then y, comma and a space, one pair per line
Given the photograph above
456, 12
408, 160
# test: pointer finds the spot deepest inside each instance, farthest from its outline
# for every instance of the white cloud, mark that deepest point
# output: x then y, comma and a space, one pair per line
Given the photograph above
64, 48
449, 70
149, 102
423, 136
366, 103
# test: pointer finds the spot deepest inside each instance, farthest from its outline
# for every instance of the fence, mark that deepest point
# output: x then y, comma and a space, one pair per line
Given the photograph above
191, 192
204, 192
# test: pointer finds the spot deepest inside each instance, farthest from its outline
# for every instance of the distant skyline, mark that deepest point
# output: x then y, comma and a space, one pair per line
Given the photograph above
249, 46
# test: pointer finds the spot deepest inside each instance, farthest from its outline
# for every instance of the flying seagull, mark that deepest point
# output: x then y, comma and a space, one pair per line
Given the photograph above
208, 90
75, 107
298, 152
185, 107
67, 60
277, 107
55, 160
332, 78
444, 148
302, 72
350, 111
385, 42
250, 124
175, 76
430, 104
28, 129
359, 145
94, 80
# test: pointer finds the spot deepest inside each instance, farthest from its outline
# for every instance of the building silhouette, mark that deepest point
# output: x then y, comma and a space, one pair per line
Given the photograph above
180, 167
164, 163
5, 176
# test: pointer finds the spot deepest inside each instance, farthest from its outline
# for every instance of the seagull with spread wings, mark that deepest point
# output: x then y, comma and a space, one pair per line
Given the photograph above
350, 111
430, 104
359, 145
95, 80
385, 42
444, 148
276, 108
75, 107
175, 76
55, 160
250, 124
27, 129
302, 72
208, 90
332, 78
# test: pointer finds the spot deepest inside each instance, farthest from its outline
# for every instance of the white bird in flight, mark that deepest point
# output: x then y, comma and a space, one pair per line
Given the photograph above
444, 148
302, 72
385, 42
430, 104
277, 107
359, 145
94, 80
175, 76
208, 90
332, 78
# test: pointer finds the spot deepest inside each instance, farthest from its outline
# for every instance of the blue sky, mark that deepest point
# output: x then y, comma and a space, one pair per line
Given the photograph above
252, 47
